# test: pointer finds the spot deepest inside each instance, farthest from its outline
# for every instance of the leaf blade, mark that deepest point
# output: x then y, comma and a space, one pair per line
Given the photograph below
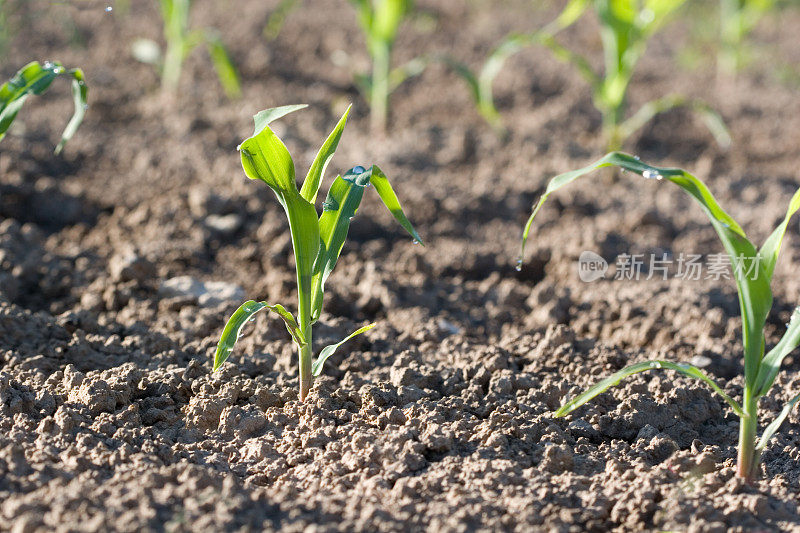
390, 200
263, 118
329, 350
340, 206
316, 172
615, 378
223, 64
772, 246
79, 97
240, 317
771, 364
773, 427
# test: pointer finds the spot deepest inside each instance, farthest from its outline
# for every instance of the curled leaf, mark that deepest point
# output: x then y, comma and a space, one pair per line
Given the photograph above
773, 427
33, 79
240, 317
329, 350
615, 378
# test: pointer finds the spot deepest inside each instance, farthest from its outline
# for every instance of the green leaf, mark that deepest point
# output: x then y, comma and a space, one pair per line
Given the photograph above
771, 429
328, 351
277, 18
406, 71
79, 98
223, 64
317, 171
389, 198
34, 79
711, 118
771, 364
755, 296
617, 377
772, 246
571, 12
264, 118
265, 157
339, 208
240, 317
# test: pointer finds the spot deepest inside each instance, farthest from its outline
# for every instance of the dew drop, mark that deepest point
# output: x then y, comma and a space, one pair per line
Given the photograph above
109, 9
636, 157
651, 174
655, 364
518, 268
415, 241
47, 65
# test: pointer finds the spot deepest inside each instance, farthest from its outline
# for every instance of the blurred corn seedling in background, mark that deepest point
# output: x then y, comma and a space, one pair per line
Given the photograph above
626, 26
180, 42
35, 78
380, 21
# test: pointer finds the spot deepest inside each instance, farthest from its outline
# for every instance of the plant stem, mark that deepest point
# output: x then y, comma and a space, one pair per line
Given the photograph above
305, 367
379, 97
304, 321
173, 62
728, 58
611, 130
747, 461
176, 22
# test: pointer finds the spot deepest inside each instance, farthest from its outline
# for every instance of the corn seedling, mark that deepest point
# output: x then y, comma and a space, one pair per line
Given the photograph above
380, 20
317, 240
35, 78
181, 41
626, 26
481, 82
737, 20
277, 18
752, 269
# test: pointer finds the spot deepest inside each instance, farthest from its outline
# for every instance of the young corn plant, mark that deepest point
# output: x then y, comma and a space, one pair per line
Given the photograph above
626, 26
35, 78
737, 20
380, 20
752, 269
181, 41
481, 81
317, 239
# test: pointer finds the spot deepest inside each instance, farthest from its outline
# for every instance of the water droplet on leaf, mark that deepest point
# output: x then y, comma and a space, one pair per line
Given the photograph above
415, 241
651, 174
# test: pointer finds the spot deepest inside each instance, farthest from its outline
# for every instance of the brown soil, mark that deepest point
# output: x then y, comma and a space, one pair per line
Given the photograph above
439, 419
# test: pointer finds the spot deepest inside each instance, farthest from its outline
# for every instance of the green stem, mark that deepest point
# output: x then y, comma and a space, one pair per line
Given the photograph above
304, 321
173, 63
747, 461
176, 22
379, 97
305, 367
612, 130
730, 37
